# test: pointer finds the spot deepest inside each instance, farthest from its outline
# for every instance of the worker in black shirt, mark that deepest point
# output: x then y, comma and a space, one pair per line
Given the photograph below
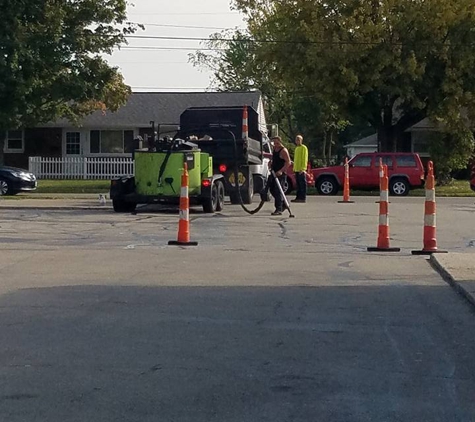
279, 164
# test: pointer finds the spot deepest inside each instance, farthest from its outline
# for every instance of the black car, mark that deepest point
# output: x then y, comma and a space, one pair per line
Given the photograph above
14, 180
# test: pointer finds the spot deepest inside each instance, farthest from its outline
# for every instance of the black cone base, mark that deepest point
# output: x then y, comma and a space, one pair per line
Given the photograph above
177, 243
384, 249
422, 252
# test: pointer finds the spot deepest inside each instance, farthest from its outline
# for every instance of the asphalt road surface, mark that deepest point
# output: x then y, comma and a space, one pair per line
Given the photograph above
267, 319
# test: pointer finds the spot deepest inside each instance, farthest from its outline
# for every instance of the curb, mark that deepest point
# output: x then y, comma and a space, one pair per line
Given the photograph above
451, 280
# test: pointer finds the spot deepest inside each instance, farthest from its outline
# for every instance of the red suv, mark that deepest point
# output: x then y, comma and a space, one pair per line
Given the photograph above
405, 171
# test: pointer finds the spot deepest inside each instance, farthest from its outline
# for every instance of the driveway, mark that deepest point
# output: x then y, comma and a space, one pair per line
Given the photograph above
268, 318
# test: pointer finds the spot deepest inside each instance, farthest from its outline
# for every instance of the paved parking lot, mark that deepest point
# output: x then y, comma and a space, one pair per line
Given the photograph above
268, 318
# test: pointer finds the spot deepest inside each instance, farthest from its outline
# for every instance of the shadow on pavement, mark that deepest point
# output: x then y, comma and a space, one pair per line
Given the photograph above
359, 353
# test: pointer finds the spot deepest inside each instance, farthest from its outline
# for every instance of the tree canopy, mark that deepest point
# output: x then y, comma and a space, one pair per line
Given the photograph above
388, 62
51, 59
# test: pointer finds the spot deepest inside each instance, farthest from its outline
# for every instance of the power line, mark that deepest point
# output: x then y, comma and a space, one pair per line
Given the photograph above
291, 42
182, 13
156, 48
160, 37
119, 62
201, 88
244, 40
180, 26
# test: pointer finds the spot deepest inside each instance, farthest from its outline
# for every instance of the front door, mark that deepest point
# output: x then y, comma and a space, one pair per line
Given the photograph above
360, 171
388, 161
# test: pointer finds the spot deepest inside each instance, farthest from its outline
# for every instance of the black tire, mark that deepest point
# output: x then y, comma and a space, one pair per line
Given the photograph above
399, 186
122, 206
220, 205
287, 186
327, 186
259, 182
234, 197
210, 204
247, 193
4, 188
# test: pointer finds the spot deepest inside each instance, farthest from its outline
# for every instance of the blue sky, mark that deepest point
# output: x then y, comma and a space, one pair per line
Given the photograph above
162, 64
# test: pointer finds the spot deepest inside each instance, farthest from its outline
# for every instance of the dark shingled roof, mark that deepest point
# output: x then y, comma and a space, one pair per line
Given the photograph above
163, 108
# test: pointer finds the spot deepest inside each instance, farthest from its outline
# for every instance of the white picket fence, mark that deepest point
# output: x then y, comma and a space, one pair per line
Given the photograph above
93, 168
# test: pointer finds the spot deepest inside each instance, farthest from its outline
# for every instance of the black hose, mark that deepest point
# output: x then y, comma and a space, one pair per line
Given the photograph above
236, 183
241, 202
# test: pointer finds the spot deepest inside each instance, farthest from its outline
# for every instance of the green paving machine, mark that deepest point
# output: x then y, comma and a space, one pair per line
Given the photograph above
158, 174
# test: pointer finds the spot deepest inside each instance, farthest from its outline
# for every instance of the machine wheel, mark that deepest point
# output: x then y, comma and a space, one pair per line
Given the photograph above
4, 188
210, 204
327, 186
248, 194
220, 204
399, 186
122, 206
234, 198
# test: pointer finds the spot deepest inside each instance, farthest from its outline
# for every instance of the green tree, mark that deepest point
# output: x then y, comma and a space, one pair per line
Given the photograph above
51, 60
450, 150
230, 56
388, 62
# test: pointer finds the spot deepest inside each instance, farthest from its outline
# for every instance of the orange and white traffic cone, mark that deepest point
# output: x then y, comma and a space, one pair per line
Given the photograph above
429, 237
245, 124
184, 223
381, 176
383, 229
346, 185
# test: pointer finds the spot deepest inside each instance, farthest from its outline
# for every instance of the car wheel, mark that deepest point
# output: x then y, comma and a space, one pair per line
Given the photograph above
399, 187
210, 204
4, 188
327, 186
220, 204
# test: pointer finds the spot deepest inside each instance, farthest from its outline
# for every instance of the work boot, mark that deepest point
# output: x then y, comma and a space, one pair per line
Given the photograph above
277, 212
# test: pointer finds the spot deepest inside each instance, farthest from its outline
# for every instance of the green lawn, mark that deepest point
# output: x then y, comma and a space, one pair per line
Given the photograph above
458, 188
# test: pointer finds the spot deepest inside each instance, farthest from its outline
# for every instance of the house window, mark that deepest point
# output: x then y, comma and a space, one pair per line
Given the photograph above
421, 142
111, 141
73, 143
14, 141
